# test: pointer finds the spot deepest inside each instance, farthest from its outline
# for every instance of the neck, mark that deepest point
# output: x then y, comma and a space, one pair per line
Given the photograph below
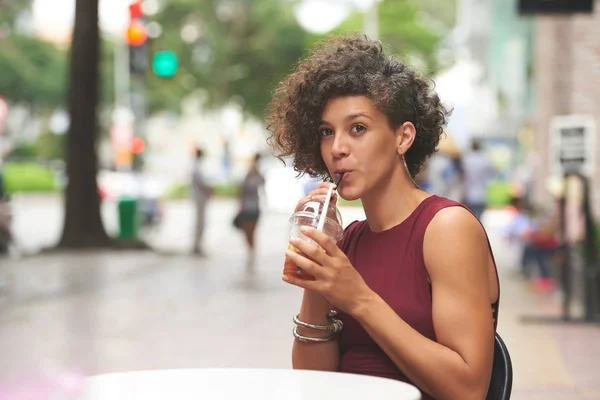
392, 202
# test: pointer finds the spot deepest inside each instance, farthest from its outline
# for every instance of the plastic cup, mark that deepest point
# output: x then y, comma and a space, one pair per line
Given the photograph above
309, 216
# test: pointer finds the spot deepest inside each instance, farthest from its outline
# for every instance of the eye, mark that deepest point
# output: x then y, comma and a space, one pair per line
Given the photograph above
325, 132
358, 128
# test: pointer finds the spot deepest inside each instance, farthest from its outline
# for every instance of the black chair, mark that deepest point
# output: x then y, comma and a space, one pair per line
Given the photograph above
502, 372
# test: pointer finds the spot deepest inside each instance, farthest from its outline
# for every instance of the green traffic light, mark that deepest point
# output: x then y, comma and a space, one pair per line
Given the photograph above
164, 64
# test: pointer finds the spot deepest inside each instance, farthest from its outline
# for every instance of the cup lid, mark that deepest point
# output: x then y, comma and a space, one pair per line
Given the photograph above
315, 207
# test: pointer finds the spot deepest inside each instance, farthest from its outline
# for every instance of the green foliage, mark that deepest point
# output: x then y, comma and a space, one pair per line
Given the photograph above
243, 57
349, 203
28, 177
10, 9
499, 194
225, 190
440, 13
25, 150
48, 147
403, 32
33, 71
240, 58
178, 192
182, 191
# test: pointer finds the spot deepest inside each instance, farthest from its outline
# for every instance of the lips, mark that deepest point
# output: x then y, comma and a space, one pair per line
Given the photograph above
346, 173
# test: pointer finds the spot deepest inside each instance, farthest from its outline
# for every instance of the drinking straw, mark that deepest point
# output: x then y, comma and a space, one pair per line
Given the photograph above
323, 215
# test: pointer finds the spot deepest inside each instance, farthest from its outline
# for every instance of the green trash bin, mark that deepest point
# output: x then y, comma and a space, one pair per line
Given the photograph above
128, 218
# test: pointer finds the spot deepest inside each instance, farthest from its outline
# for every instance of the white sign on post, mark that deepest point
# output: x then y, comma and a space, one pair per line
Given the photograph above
572, 144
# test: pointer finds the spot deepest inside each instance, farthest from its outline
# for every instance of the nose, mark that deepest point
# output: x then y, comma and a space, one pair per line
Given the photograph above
339, 148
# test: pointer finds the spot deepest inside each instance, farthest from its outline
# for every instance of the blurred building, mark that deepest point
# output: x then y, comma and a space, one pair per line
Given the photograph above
514, 73
490, 85
567, 82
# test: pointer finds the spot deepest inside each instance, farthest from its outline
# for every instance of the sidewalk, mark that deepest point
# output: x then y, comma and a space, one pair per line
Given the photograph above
552, 360
107, 312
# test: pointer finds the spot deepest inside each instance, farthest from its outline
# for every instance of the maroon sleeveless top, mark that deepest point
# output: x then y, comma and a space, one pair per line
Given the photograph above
392, 264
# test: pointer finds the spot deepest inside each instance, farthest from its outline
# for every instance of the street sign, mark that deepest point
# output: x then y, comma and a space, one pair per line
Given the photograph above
573, 144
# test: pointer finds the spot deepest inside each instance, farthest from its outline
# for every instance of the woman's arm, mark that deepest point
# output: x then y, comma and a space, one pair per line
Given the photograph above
459, 364
315, 356
322, 356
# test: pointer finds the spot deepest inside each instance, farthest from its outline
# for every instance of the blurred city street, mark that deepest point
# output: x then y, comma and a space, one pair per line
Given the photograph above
146, 134
99, 312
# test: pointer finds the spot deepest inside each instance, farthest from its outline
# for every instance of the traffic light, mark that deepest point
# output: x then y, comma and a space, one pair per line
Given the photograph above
138, 59
164, 64
137, 38
136, 33
137, 145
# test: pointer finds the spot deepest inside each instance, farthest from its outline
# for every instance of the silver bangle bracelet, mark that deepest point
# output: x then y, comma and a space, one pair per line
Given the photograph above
308, 339
335, 326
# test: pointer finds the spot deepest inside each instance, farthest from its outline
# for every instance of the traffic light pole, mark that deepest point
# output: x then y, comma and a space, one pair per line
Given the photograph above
121, 73
138, 102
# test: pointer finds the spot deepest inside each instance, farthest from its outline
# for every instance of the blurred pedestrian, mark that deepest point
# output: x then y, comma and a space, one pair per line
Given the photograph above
478, 171
201, 192
444, 175
539, 236
249, 213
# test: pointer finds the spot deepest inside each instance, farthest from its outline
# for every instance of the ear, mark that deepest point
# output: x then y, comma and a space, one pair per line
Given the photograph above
405, 136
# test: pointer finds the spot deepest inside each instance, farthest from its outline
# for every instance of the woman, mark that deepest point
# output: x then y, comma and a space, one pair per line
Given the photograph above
247, 218
414, 282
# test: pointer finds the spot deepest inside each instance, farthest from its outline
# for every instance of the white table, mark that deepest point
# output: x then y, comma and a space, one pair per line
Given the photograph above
244, 384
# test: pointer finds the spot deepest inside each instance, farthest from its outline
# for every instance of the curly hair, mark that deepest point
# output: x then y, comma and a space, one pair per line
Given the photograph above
352, 66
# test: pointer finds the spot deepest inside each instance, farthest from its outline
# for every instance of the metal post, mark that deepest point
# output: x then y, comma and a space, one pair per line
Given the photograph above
121, 71
566, 267
371, 21
590, 256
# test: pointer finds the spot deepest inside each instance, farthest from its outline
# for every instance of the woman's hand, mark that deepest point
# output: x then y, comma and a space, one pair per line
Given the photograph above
335, 277
319, 193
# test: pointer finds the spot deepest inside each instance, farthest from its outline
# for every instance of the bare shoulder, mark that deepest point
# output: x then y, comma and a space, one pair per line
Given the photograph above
454, 236
454, 223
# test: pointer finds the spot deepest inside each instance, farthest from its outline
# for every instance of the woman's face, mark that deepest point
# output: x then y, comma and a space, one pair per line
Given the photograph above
357, 139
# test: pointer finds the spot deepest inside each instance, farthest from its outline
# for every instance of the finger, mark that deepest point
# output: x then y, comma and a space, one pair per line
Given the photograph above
303, 283
322, 197
324, 185
323, 188
310, 250
318, 192
303, 201
322, 239
305, 264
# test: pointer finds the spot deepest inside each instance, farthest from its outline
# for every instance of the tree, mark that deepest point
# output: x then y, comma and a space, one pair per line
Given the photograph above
33, 72
403, 30
238, 50
241, 50
10, 10
83, 224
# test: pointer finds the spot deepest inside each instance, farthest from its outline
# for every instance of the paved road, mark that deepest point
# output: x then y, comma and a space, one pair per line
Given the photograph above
98, 312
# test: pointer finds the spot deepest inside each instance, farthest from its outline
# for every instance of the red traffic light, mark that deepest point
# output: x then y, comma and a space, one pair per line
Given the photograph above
137, 145
136, 33
135, 10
